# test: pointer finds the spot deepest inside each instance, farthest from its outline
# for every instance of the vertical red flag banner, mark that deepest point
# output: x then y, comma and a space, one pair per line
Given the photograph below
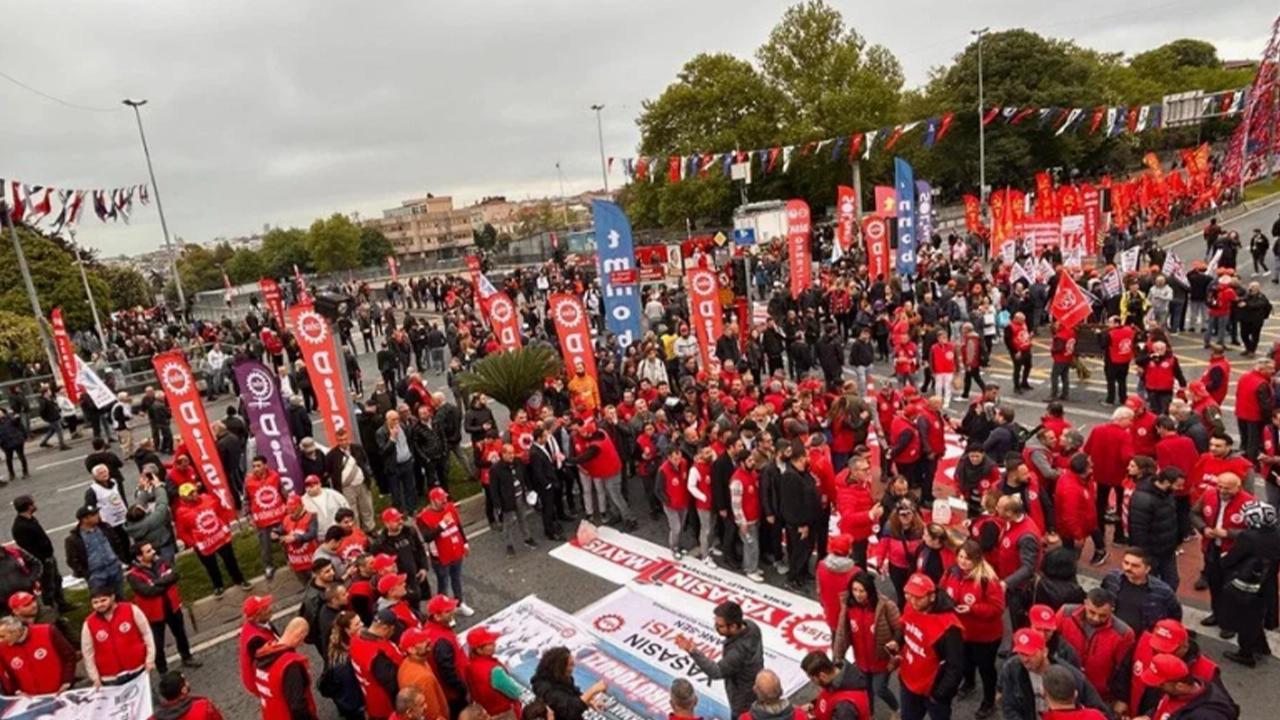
193, 424
973, 214
886, 201
1091, 204
876, 231
846, 217
997, 201
274, 299
505, 321
1044, 196
301, 282
325, 368
704, 309
801, 262
394, 267
574, 331
66, 356
1070, 306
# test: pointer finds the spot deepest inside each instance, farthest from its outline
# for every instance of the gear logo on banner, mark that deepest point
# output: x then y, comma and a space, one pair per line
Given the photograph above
500, 309
176, 379
311, 327
702, 283
259, 386
807, 633
610, 623
567, 314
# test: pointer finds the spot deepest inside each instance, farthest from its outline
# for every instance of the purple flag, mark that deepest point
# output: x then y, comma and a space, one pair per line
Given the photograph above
268, 422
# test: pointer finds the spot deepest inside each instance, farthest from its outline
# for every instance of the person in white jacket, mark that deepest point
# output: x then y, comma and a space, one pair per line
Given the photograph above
322, 502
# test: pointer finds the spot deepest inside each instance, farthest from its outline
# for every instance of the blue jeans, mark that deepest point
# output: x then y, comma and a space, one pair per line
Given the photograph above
453, 573
404, 495
916, 707
1216, 329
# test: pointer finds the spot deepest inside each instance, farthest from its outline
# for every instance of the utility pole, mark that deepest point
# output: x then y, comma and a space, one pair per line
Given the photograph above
31, 293
173, 255
564, 204
84, 278
604, 169
982, 129
855, 167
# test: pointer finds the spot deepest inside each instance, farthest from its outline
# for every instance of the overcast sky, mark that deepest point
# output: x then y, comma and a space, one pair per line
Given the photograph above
278, 112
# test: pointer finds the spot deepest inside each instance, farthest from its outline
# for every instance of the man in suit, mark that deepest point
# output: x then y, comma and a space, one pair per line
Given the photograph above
544, 480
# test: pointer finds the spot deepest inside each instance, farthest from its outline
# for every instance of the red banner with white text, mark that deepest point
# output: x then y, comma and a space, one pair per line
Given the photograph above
801, 260
505, 321
574, 331
846, 217
66, 356
704, 309
274, 299
183, 397
876, 230
324, 367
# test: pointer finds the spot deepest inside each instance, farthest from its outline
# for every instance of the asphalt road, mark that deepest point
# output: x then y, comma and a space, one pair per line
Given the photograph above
493, 581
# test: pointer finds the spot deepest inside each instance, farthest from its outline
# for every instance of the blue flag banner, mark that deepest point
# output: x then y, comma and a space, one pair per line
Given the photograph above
619, 281
904, 179
924, 212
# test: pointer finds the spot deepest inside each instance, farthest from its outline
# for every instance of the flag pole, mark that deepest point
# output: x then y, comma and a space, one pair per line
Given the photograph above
31, 294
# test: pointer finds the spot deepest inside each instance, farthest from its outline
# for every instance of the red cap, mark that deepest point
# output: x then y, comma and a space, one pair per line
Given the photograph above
1164, 668
1043, 618
255, 604
1167, 636
1028, 642
413, 637
840, 544
389, 581
438, 495
481, 636
1134, 403
441, 604
311, 480
391, 515
20, 599
919, 585
383, 561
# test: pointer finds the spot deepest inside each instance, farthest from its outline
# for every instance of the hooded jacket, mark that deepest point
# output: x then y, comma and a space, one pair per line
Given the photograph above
742, 658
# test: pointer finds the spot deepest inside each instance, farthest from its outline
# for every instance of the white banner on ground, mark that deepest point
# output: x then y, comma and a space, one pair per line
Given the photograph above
791, 625
638, 685
647, 628
131, 701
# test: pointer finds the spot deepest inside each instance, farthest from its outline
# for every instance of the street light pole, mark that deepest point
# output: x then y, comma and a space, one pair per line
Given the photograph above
31, 293
84, 278
164, 226
604, 171
982, 130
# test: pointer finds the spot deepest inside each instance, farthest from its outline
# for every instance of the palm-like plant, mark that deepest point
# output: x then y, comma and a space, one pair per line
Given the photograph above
511, 377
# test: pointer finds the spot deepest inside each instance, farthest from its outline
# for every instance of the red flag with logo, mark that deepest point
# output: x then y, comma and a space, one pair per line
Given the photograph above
325, 367
973, 215
274, 299
1070, 306
574, 331
704, 309
1045, 205
505, 321
846, 216
183, 396
66, 356
886, 201
876, 231
798, 246
1091, 204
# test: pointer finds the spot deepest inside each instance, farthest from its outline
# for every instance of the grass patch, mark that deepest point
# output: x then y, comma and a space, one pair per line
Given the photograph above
1260, 190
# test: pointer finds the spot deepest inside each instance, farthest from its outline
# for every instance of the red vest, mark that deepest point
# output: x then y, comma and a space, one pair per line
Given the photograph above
943, 357
299, 554
1202, 669
920, 662
364, 650
1120, 345
1100, 653
1232, 519
270, 682
606, 463
862, 638
1219, 393
118, 647
251, 631
1068, 346
1159, 373
437, 633
153, 607
824, 706
32, 664
406, 615
703, 483
266, 500
201, 524
911, 454
830, 584
1021, 337
904, 359
983, 622
479, 682
1007, 560
449, 546
1143, 430
1247, 407
1205, 474
199, 709
1077, 714
673, 480
750, 481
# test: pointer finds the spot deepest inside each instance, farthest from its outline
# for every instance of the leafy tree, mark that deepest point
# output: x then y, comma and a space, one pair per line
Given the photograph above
128, 287
245, 266
546, 216
283, 249
512, 377
19, 338
374, 247
201, 268
486, 238
334, 244
55, 277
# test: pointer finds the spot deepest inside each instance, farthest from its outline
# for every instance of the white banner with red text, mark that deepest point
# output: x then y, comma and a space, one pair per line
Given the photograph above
131, 701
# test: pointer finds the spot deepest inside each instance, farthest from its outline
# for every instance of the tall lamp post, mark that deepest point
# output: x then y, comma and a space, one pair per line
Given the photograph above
982, 129
604, 171
164, 226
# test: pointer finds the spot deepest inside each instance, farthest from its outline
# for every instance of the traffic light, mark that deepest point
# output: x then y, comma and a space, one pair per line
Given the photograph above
738, 266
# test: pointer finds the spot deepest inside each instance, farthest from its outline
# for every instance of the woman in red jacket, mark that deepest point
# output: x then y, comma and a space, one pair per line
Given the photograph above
979, 597
868, 627
1075, 510
859, 512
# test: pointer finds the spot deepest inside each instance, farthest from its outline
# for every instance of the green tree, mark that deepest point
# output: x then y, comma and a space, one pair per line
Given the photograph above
283, 249
19, 338
486, 238
334, 244
55, 277
128, 287
245, 266
374, 247
201, 268
512, 377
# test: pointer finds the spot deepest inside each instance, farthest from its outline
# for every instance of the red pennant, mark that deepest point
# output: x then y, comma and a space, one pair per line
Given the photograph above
1070, 306
855, 146
773, 157
893, 139
1097, 119
944, 126
1022, 115
673, 169
990, 116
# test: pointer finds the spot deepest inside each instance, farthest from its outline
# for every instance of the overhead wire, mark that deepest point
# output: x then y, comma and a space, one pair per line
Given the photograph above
54, 98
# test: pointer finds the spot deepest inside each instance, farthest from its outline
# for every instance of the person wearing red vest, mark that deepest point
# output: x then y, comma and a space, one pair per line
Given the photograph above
491, 686
1177, 451
198, 523
1218, 518
298, 533
1101, 640
1110, 446
842, 690
674, 495
1017, 555
393, 590
1074, 508
1160, 370
744, 501
942, 359
115, 642
1060, 697
34, 659
597, 457
932, 651
1143, 427
859, 512
1170, 637
698, 485
1062, 349
155, 591
1018, 697
1117, 344
447, 659
905, 363
177, 702
833, 575
1020, 351
441, 529
975, 589
906, 448
1217, 376
283, 677
376, 661
1185, 696
265, 498
1254, 401
256, 631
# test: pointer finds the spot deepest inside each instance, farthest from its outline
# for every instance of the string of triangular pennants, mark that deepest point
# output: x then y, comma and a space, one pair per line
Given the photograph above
1112, 120
63, 208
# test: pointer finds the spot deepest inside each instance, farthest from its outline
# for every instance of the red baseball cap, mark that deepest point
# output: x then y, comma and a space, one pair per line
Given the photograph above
311, 480
1134, 403
441, 604
840, 544
481, 636
1167, 636
20, 599
1043, 618
387, 582
412, 638
437, 495
1164, 668
391, 515
383, 561
255, 604
1028, 642
919, 585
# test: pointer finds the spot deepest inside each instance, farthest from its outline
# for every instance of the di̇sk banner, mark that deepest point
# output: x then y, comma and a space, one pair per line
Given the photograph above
617, 263
846, 217
574, 330
704, 309
325, 367
267, 420
183, 396
273, 298
798, 255
66, 355
131, 701
876, 230
504, 320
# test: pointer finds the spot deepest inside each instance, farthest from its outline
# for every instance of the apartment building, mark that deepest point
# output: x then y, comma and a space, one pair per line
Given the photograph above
427, 227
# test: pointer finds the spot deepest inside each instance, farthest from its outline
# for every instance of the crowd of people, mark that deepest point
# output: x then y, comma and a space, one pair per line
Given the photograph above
808, 446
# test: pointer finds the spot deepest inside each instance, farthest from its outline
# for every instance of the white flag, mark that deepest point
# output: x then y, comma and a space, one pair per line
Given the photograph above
1129, 259
1071, 120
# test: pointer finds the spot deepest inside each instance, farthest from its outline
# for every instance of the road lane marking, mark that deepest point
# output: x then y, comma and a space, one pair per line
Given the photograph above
77, 486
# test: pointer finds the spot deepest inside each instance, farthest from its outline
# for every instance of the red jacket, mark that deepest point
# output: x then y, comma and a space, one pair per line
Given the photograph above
1232, 518
1074, 508
911, 453
199, 524
942, 357
854, 503
1247, 389
1178, 451
1104, 654
1143, 430
1216, 378
266, 499
1204, 475
985, 600
1110, 446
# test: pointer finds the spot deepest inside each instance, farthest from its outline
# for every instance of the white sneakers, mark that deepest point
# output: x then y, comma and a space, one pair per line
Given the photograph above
465, 610
756, 576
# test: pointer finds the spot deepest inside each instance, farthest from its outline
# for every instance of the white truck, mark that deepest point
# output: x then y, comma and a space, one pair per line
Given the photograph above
763, 221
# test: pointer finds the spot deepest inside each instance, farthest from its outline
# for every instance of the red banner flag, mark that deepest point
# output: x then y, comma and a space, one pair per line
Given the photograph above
886, 201
846, 216
574, 331
66, 356
704, 309
973, 214
324, 367
183, 396
303, 297
1045, 205
1096, 120
798, 255
1070, 306
998, 200
855, 146
1069, 200
505, 321
876, 231
944, 126
394, 267
1091, 204
274, 299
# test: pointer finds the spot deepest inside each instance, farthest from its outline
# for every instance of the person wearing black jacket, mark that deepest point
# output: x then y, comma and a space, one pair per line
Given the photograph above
1018, 697
405, 544
505, 478
150, 577
31, 537
449, 420
479, 421
727, 347
1250, 312
775, 346
231, 452
799, 508
543, 479
770, 507
829, 355
552, 683
103, 455
1153, 521
721, 472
